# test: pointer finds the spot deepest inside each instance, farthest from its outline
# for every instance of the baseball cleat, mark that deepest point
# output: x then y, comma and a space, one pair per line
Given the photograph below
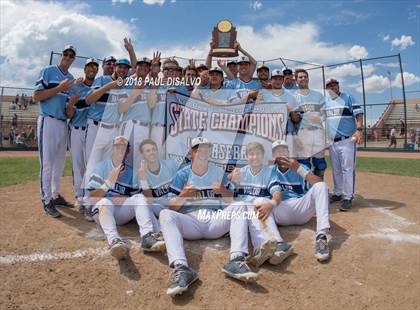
153, 242
183, 277
283, 251
335, 198
50, 209
61, 202
119, 249
88, 214
266, 250
322, 250
345, 205
238, 269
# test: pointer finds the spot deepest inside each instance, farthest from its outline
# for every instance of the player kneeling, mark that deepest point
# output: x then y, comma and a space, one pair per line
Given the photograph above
298, 207
202, 189
111, 185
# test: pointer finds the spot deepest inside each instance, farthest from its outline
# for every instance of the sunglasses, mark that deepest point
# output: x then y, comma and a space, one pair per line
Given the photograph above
171, 69
71, 55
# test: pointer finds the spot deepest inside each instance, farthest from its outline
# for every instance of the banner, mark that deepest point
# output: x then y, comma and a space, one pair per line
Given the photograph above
229, 127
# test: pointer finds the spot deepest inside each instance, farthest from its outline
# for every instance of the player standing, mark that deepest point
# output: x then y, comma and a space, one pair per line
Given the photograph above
289, 81
345, 127
76, 111
51, 90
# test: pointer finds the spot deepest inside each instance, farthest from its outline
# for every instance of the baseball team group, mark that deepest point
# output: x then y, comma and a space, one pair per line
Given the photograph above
115, 134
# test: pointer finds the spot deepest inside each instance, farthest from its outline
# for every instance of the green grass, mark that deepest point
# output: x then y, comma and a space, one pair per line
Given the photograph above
395, 166
15, 170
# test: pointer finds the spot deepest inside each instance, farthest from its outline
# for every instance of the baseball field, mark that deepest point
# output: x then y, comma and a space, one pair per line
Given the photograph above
63, 263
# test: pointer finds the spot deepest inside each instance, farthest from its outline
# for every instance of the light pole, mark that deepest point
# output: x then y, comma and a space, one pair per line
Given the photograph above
390, 84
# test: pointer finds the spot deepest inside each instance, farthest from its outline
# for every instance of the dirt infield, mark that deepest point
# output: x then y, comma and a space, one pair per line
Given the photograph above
59, 264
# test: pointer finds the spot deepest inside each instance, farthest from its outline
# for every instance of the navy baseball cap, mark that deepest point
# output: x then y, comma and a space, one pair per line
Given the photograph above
69, 48
123, 61
287, 70
109, 58
144, 60
91, 61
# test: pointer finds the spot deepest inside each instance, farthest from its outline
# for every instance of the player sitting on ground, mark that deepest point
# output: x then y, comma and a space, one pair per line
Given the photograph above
252, 185
110, 185
155, 178
203, 188
297, 206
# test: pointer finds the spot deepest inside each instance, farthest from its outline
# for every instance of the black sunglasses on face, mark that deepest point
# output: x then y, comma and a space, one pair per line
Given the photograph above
171, 69
71, 55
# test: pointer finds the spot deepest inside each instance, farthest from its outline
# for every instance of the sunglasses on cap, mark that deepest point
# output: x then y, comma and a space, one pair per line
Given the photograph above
69, 54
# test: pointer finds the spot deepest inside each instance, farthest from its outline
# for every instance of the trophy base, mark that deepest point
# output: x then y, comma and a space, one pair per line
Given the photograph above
224, 52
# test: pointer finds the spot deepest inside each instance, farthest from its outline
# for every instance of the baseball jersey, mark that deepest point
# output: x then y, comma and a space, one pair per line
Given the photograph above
341, 115
312, 104
139, 110
239, 84
183, 90
96, 109
255, 185
290, 183
159, 183
228, 95
205, 197
126, 184
158, 114
54, 106
80, 109
286, 97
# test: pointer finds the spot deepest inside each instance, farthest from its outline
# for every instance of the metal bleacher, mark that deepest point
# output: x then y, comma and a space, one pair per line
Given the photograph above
397, 113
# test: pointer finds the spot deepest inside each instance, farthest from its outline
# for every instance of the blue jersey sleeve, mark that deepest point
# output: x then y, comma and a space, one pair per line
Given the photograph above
179, 181
357, 109
42, 80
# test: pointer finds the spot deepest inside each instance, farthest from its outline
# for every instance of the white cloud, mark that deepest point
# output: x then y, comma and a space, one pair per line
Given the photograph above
403, 42
122, 1
358, 52
347, 70
256, 5
173, 1
379, 83
386, 37
28, 39
133, 19
151, 2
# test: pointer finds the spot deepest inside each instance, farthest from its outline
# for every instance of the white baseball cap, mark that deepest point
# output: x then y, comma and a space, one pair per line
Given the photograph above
279, 143
216, 69
91, 61
69, 48
243, 59
200, 140
277, 72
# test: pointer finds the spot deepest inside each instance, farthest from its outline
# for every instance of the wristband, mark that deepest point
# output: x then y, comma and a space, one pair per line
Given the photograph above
105, 187
302, 171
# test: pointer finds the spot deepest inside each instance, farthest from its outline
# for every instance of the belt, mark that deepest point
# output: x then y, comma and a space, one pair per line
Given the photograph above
109, 126
63, 120
77, 127
96, 123
341, 138
139, 122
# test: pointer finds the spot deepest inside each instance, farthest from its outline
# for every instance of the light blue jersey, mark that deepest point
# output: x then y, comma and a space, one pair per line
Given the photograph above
294, 87
255, 185
126, 184
139, 110
225, 94
79, 118
286, 97
341, 115
54, 106
290, 183
239, 84
205, 197
312, 104
96, 109
160, 182
159, 113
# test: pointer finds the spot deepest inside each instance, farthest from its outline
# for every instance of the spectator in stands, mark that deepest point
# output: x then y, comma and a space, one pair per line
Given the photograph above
393, 137
11, 136
31, 136
412, 135
15, 120
402, 125
12, 105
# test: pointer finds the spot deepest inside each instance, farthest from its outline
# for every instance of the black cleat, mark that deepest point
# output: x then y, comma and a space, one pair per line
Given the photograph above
50, 209
345, 205
183, 277
335, 198
61, 202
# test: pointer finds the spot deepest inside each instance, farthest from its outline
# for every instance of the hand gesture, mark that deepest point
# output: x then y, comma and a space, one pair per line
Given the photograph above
142, 171
188, 191
264, 210
236, 175
128, 45
236, 45
113, 175
65, 84
192, 63
288, 162
156, 58
73, 99
217, 187
79, 81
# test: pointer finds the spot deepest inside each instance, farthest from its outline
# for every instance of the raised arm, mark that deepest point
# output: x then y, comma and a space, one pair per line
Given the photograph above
253, 64
48, 93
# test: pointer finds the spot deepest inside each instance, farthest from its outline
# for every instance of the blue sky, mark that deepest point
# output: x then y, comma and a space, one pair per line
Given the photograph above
324, 32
